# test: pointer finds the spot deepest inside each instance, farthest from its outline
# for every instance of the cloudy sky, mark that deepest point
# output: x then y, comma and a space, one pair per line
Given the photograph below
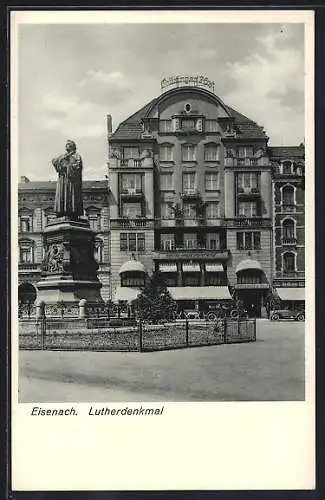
72, 76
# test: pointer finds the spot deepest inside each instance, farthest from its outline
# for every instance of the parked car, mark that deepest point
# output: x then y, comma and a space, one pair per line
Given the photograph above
277, 314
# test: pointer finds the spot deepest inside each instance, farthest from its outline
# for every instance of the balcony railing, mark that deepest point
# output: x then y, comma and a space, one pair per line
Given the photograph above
246, 162
286, 207
248, 222
190, 194
131, 163
29, 266
132, 193
189, 222
244, 192
132, 223
289, 241
290, 274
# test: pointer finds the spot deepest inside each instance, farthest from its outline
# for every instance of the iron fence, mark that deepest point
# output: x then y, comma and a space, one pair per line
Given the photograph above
70, 334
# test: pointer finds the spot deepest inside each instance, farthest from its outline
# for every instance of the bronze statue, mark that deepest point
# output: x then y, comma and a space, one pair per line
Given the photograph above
68, 196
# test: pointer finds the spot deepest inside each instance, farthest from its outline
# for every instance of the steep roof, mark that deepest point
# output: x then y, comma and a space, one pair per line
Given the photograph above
50, 185
283, 152
131, 128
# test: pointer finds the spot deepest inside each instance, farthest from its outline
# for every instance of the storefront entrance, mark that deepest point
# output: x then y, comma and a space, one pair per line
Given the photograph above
252, 301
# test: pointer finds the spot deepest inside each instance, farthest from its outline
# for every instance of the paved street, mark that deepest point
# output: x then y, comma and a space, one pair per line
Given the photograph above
270, 369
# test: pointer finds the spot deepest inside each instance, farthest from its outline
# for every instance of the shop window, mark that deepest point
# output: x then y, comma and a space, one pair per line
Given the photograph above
191, 279
215, 279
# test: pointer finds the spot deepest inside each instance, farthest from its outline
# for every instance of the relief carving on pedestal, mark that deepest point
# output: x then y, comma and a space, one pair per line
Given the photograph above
53, 261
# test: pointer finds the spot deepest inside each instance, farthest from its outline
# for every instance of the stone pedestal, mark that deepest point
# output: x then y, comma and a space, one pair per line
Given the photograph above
69, 266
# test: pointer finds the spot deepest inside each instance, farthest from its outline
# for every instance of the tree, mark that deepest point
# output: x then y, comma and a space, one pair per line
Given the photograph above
155, 304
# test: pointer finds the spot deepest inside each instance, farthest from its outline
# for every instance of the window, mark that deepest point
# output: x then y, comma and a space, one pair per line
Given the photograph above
288, 228
136, 281
188, 152
212, 210
132, 242
165, 126
211, 181
166, 182
248, 180
189, 211
167, 242
288, 195
26, 253
131, 181
214, 279
211, 152
211, 126
131, 152
49, 216
190, 240
166, 212
247, 208
249, 277
287, 167
188, 124
213, 241
25, 221
289, 264
248, 240
245, 152
98, 253
131, 210
166, 152
93, 215
189, 183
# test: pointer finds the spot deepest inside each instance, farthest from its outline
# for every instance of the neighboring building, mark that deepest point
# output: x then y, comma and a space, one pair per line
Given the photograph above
35, 209
191, 195
289, 223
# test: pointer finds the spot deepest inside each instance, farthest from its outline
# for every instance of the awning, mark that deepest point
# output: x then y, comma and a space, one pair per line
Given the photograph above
248, 264
167, 268
200, 293
291, 293
124, 293
214, 268
191, 268
132, 266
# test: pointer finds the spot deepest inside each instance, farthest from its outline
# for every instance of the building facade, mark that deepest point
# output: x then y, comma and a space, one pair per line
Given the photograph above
289, 223
191, 195
35, 209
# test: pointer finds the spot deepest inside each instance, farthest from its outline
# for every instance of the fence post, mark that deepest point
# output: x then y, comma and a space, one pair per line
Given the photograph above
225, 330
140, 335
186, 332
43, 331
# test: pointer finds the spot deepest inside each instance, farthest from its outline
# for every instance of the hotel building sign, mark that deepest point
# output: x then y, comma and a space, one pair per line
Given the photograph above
187, 81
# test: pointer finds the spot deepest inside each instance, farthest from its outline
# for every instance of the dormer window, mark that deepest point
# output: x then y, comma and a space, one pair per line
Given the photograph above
188, 124
245, 152
165, 126
211, 126
131, 153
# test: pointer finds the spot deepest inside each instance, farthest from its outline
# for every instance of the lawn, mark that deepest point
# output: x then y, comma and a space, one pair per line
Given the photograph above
270, 369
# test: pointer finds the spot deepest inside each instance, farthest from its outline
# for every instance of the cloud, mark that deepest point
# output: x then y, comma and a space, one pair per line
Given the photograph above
269, 83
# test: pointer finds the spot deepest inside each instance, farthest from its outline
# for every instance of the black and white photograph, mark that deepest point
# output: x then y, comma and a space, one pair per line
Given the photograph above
161, 195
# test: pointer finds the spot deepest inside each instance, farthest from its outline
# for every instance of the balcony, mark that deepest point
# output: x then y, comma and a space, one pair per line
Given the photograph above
29, 267
246, 162
289, 241
290, 274
249, 222
248, 192
185, 253
125, 223
190, 194
189, 222
288, 208
132, 194
132, 163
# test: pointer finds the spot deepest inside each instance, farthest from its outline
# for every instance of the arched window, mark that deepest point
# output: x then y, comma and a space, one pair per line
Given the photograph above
25, 220
288, 195
288, 229
287, 167
188, 152
98, 250
26, 251
211, 152
166, 152
26, 293
289, 262
93, 214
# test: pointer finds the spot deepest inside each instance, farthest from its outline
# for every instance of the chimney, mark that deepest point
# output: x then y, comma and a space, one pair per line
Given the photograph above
109, 124
23, 179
